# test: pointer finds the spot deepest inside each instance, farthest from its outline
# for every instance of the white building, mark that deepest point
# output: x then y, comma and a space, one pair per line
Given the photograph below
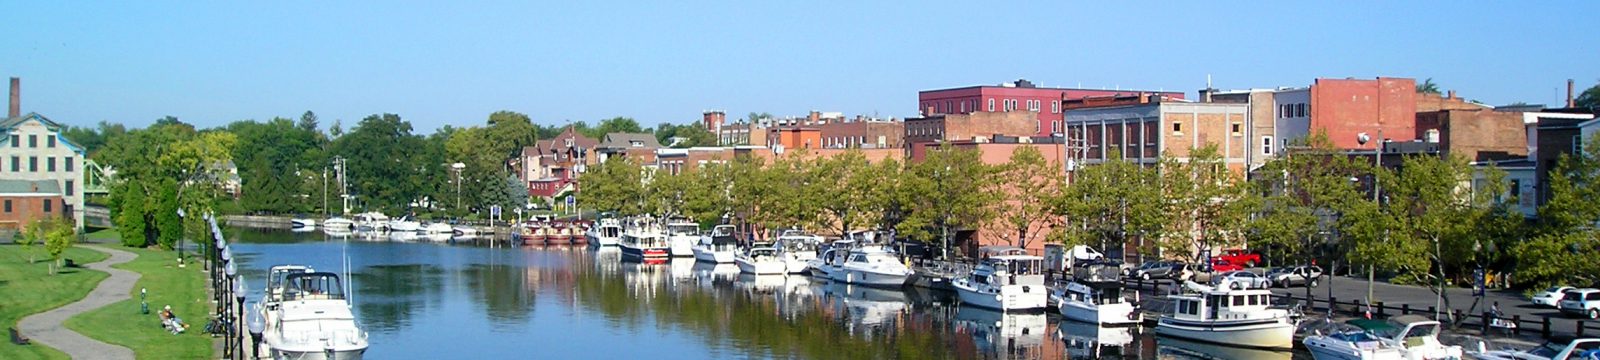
32, 148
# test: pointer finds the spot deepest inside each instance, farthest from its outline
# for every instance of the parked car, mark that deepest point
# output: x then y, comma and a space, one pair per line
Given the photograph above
1243, 257
1550, 297
1251, 279
1170, 271
1220, 265
1294, 276
1134, 271
1584, 302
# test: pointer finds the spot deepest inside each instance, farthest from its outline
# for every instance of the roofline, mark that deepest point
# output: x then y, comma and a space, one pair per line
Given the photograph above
1047, 88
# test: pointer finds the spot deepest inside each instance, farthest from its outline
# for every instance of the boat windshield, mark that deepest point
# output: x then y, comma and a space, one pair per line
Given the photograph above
682, 229
313, 286
722, 230
1549, 349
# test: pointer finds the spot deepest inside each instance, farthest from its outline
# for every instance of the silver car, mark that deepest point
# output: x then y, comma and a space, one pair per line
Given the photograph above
1294, 276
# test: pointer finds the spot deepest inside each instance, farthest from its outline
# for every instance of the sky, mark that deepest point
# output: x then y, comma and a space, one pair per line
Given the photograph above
446, 62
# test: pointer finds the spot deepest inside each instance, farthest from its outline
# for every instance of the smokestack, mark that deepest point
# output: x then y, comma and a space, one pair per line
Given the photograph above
16, 97
1568, 93
1452, 95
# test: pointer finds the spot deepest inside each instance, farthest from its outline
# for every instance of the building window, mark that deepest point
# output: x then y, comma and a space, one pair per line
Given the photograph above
46, 205
69, 188
50, 141
33, 140
1266, 145
8, 205
1055, 107
1055, 126
68, 161
16, 140
949, 106
16, 164
991, 104
1577, 145
1177, 128
33, 164
50, 164
1238, 129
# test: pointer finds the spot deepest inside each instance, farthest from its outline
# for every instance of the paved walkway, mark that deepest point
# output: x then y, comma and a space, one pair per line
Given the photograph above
45, 328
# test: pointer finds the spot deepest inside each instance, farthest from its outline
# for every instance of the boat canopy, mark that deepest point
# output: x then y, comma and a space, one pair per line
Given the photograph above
313, 286
1000, 250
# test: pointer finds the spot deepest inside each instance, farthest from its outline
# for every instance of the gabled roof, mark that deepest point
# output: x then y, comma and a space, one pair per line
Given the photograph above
624, 140
43, 187
9, 124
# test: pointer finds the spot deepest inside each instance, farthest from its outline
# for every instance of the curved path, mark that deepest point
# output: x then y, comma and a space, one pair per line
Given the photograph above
45, 328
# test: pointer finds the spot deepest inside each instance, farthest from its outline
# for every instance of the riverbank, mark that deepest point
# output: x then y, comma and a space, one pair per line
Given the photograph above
30, 289
184, 289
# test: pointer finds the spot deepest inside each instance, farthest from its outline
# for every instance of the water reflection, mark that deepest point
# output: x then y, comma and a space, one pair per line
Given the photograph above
463, 299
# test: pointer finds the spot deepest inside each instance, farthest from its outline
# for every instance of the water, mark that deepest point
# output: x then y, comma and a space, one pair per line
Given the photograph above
465, 300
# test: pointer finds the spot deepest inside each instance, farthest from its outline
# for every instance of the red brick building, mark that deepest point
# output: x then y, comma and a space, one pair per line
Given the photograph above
551, 167
23, 201
1020, 95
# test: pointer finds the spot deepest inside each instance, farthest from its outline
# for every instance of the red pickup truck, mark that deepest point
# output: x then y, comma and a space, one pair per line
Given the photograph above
1242, 257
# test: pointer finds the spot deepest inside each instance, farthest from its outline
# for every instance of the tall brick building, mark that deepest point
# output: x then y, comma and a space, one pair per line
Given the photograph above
1020, 95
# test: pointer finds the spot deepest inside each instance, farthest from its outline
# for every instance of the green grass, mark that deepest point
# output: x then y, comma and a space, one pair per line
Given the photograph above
184, 289
29, 288
104, 234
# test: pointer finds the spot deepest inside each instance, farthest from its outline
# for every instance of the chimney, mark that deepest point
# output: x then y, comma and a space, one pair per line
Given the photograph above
1450, 94
16, 97
1568, 93
813, 117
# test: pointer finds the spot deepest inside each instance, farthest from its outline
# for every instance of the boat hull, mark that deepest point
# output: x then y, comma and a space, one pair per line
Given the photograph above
760, 267
604, 240
1122, 314
796, 266
869, 278
318, 355
681, 245
713, 256
1264, 334
1323, 348
644, 253
1009, 298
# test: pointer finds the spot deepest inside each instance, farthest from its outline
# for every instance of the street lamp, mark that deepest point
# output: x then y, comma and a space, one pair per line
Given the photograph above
238, 338
457, 167
227, 313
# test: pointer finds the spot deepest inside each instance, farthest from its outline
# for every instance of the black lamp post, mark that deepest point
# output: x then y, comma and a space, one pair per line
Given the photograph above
227, 348
238, 294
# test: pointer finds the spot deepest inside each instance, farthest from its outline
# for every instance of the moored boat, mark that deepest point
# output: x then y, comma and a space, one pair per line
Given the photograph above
797, 249
761, 259
1229, 313
644, 240
339, 223
1094, 295
1339, 341
1008, 281
303, 224
682, 234
719, 246
312, 320
606, 232
874, 266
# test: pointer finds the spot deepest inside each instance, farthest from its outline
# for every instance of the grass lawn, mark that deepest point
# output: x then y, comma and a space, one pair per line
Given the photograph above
29, 288
184, 289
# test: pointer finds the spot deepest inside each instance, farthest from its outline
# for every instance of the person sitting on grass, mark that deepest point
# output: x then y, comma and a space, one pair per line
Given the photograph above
171, 322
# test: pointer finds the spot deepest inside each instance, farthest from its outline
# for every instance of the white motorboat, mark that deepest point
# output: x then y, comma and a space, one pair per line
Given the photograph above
682, 234
339, 223
312, 320
1011, 280
797, 249
307, 224
643, 240
1556, 348
718, 247
1094, 295
1229, 313
875, 266
435, 237
760, 260
403, 224
1415, 337
1176, 348
608, 232
464, 231
370, 221
826, 264
1338, 341
276, 276
438, 228
1091, 341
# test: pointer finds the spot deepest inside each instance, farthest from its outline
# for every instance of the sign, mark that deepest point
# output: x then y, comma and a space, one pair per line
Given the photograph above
572, 200
1477, 282
494, 210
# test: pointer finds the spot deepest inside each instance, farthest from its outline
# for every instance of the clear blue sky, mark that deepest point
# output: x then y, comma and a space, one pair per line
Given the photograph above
437, 62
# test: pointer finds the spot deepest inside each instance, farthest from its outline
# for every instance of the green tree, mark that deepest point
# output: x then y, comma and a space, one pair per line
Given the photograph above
1428, 198
1566, 241
1207, 204
33, 233
168, 156
692, 135
848, 191
58, 237
1428, 87
131, 213
1303, 192
614, 125
616, 185
957, 178
388, 166
1028, 186
1112, 203
1589, 98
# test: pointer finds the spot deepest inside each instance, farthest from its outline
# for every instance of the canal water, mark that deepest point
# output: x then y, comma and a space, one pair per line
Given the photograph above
473, 300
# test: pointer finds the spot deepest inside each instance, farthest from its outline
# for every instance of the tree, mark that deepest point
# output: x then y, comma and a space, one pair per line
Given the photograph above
1428, 87
758, 116
614, 125
957, 180
1428, 199
1302, 195
1112, 203
168, 156
388, 166
615, 185
308, 122
131, 213
1589, 98
851, 197
692, 135
58, 237
1028, 186
32, 234
1205, 200
1566, 241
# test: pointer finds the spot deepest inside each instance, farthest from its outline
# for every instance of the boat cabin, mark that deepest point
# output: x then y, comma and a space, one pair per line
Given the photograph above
757, 252
723, 235
796, 244
1010, 270
1410, 330
313, 286
276, 280
609, 228
1097, 272
1223, 303
1093, 295
682, 227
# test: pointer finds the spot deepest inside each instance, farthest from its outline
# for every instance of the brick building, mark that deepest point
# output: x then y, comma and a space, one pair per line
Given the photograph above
968, 127
997, 150
1020, 95
32, 149
23, 201
1477, 135
551, 167
1144, 133
641, 147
